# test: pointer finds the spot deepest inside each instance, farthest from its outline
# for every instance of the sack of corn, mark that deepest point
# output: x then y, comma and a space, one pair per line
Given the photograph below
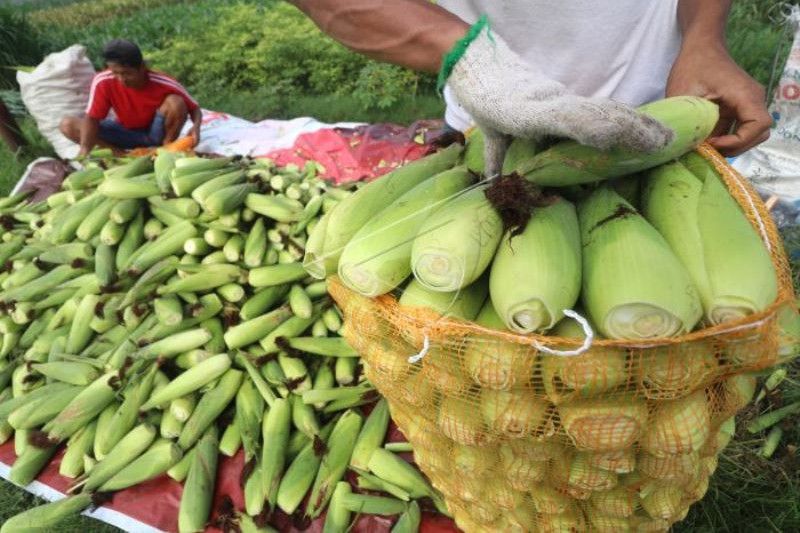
566, 346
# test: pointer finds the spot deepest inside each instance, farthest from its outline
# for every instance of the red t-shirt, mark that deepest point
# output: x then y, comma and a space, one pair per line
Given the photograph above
135, 108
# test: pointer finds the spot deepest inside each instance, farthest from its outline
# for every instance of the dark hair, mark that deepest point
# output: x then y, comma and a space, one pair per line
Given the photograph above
123, 52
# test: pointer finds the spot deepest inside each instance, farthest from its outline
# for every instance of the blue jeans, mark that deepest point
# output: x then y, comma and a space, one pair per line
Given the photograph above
118, 135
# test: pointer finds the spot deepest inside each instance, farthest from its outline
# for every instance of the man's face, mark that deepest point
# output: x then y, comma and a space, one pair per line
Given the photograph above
134, 77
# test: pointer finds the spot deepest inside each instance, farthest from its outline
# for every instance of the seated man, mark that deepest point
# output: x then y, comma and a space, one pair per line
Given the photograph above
150, 107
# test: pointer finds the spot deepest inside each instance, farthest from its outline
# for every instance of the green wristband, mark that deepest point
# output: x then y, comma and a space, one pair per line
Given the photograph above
454, 55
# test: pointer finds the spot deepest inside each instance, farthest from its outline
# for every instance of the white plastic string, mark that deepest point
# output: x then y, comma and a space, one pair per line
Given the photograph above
426, 346
587, 342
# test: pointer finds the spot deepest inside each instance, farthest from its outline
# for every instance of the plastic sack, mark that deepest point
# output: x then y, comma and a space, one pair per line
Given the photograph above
623, 437
774, 166
58, 87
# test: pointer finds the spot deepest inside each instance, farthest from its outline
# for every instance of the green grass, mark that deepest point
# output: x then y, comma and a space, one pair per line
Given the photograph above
12, 165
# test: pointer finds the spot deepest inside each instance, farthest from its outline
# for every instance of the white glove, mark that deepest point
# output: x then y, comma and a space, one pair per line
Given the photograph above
507, 97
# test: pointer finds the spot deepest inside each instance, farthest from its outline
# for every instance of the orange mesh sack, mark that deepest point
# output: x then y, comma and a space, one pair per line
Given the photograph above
517, 436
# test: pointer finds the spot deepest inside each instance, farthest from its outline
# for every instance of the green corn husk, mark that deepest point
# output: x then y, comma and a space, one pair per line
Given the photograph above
201, 193
315, 261
375, 505
334, 462
275, 433
83, 408
377, 258
338, 517
34, 414
29, 464
47, 517
126, 416
256, 328
72, 372
78, 445
569, 163
249, 413
180, 470
131, 446
190, 381
210, 407
741, 275
355, 210
372, 435
161, 456
536, 275
198, 490
228, 199
388, 466
231, 440
634, 287
457, 243
464, 304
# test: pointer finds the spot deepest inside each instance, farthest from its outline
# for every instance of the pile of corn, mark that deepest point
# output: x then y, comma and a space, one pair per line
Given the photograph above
648, 247
144, 304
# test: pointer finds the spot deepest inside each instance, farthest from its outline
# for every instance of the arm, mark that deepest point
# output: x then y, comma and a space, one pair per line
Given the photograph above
89, 135
197, 119
704, 68
411, 33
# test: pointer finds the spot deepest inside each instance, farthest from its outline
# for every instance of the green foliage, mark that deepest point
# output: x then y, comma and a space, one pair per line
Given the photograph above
19, 44
756, 34
279, 50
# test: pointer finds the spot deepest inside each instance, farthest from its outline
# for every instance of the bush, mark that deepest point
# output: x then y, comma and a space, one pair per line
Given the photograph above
19, 45
278, 49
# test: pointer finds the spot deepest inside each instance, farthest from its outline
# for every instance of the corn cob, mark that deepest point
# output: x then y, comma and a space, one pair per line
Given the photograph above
131, 446
180, 470
568, 163
78, 445
176, 343
94, 221
276, 275
84, 178
124, 211
29, 463
181, 408
192, 165
372, 482
190, 381
42, 284
290, 328
131, 169
278, 208
372, 435
262, 301
275, 433
210, 407
209, 277
228, 199
125, 417
126, 189
231, 439
83, 408
202, 192
249, 413
198, 490
261, 385
61, 254
353, 212
170, 427
34, 414
103, 422
178, 207
255, 245
409, 521
256, 328
335, 461
131, 241
169, 242
162, 168
48, 516
304, 419
338, 517
375, 505
301, 472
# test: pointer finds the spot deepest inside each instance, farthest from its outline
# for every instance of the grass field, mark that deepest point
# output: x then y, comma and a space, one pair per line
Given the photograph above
747, 493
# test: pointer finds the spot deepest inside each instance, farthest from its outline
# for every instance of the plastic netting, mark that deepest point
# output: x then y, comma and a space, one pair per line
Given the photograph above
621, 438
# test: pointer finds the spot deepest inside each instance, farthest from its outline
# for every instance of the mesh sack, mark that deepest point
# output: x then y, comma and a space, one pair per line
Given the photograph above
623, 437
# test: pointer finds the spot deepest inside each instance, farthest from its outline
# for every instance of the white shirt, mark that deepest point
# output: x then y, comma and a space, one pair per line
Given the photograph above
619, 49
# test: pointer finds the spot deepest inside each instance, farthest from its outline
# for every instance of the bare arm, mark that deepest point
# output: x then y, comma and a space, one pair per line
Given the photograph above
411, 33
704, 68
197, 120
89, 134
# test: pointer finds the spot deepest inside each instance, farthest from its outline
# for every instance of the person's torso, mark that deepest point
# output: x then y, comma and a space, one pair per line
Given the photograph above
620, 49
136, 107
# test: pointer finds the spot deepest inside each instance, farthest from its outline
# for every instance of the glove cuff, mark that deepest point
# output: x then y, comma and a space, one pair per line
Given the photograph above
456, 53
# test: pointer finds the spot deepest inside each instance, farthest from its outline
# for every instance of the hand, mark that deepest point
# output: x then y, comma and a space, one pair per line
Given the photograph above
710, 72
508, 97
83, 152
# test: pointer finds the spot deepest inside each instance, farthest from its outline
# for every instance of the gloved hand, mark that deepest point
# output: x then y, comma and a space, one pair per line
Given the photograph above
508, 97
